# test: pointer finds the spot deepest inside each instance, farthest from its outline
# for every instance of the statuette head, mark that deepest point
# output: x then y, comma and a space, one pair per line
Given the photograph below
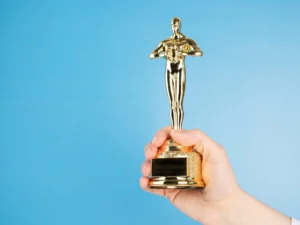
176, 25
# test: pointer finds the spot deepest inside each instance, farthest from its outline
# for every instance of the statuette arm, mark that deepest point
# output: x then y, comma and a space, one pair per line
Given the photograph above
194, 50
158, 51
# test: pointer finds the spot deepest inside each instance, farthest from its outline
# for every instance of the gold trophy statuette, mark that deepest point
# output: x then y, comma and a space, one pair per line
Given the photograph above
176, 166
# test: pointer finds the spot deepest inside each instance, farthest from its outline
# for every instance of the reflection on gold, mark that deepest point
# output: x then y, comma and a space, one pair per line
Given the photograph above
174, 50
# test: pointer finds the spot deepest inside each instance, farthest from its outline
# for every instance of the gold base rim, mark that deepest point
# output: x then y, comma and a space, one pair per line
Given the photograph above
174, 183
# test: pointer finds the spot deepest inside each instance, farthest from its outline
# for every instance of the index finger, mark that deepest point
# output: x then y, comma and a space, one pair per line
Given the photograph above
161, 136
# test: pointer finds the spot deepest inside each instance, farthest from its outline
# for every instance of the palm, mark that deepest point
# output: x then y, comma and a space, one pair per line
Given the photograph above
216, 173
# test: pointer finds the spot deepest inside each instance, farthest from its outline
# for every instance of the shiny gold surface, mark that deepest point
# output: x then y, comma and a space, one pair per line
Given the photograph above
193, 179
174, 50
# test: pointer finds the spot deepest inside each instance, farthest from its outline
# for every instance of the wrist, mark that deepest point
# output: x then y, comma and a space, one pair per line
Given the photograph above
244, 209
228, 213
224, 211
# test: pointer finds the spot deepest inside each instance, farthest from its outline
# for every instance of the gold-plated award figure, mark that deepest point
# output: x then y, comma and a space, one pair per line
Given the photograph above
176, 166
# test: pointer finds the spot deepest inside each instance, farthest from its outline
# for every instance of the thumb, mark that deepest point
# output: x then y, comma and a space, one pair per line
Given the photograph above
217, 166
199, 140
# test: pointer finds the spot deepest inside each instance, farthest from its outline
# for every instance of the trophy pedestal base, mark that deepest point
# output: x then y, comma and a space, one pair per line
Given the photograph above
176, 166
174, 182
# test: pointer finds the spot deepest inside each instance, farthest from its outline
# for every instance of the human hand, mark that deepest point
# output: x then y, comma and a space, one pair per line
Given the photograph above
205, 205
222, 201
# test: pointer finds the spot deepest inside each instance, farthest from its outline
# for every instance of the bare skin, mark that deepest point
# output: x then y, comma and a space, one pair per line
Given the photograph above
222, 202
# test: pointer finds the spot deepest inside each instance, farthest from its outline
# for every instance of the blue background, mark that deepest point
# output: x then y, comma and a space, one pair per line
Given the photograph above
79, 99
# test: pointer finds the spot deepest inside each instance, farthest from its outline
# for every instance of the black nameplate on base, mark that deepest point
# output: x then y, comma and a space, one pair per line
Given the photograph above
171, 167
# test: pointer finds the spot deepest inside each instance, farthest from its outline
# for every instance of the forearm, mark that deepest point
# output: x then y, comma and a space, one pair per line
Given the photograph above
245, 210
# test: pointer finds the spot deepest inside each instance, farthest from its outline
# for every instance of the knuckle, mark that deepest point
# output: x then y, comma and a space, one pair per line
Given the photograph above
197, 131
142, 166
221, 150
199, 145
146, 147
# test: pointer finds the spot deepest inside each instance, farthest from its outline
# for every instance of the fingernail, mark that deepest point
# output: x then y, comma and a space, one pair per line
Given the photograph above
144, 168
147, 151
154, 140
